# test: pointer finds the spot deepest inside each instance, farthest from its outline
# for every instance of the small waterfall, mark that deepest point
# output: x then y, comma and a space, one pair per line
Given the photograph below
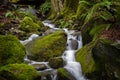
71, 65
47, 70
69, 55
32, 37
74, 42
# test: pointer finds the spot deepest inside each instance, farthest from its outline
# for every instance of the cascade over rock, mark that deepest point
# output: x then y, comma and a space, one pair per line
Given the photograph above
85, 57
100, 60
44, 48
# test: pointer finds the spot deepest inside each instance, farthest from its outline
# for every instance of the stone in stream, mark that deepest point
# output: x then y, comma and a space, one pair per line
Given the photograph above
39, 67
73, 44
49, 31
100, 60
56, 62
46, 47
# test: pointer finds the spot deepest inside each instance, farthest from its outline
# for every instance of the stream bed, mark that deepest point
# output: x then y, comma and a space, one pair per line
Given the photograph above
74, 43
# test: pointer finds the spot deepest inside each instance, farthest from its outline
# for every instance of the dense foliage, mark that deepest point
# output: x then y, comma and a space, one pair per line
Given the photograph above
98, 21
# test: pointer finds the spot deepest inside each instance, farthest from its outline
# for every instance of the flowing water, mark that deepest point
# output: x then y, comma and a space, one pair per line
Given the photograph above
69, 55
74, 43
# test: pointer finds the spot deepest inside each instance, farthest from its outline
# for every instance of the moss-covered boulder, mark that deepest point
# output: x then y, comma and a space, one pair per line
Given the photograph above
11, 50
18, 72
30, 25
42, 49
63, 74
56, 62
107, 56
85, 57
100, 60
27, 24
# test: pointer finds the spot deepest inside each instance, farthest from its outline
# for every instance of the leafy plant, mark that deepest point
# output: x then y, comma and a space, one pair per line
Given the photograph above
97, 29
21, 13
94, 16
94, 9
9, 14
45, 7
65, 24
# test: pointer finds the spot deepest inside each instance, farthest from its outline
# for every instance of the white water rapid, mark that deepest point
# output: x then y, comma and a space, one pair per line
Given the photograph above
72, 66
74, 43
69, 55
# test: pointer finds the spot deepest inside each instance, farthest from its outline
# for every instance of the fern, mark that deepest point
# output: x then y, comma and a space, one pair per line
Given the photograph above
97, 29
9, 14
82, 8
95, 7
45, 7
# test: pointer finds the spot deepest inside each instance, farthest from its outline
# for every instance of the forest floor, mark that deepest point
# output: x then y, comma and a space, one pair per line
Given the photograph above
113, 33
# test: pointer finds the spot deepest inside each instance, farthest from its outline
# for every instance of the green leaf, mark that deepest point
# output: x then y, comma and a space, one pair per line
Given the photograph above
94, 9
9, 14
106, 15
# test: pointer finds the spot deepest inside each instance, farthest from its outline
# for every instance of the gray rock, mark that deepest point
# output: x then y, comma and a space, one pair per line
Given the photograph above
73, 44
39, 67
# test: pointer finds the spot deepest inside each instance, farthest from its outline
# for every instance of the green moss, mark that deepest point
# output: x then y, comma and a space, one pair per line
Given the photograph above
85, 57
64, 75
27, 24
11, 50
69, 8
48, 47
56, 62
18, 72
70, 5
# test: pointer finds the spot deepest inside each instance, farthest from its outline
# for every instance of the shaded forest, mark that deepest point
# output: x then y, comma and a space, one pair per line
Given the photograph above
98, 21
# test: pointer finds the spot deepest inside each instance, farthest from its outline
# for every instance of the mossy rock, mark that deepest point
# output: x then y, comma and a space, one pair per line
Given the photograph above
108, 58
28, 25
63, 74
47, 47
85, 57
11, 50
56, 62
18, 72
100, 60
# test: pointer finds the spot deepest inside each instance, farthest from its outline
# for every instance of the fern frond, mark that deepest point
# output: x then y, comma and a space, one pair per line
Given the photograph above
82, 8
106, 15
93, 10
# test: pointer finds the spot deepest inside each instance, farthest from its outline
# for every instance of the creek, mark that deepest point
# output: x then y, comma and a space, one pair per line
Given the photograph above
74, 43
